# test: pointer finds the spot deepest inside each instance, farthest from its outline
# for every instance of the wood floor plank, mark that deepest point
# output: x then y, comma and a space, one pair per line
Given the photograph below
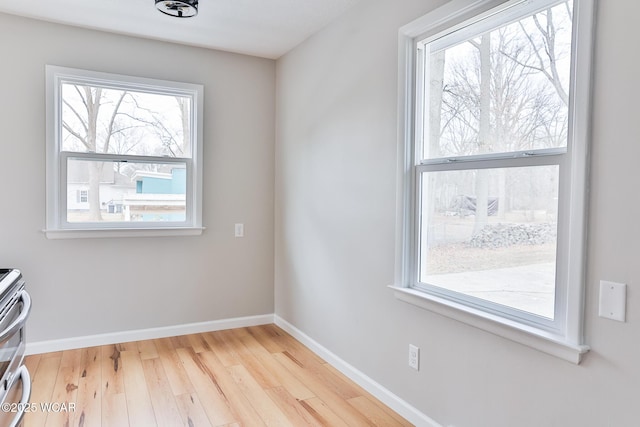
89, 394
207, 388
147, 349
180, 342
52, 354
321, 412
264, 377
225, 352
198, 343
247, 377
111, 368
373, 412
65, 388
42, 385
295, 348
364, 394
176, 375
235, 398
238, 351
265, 336
259, 399
128, 346
325, 392
354, 389
291, 406
162, 398
281, 375
163, 344
114, 410
139, 406
192, 411
318, 372
32, 361
114, 402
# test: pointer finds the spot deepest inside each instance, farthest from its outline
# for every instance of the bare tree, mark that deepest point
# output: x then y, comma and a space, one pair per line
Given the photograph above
484, 130
174, 142
544, 57
101, 120
495, 99
86, 129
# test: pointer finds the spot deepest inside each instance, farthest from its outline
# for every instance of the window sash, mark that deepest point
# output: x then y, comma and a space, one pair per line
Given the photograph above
510, 11
57, 224
109, 157
485, 161
190, 95
100, 157
427, 43
126, 83
557, 324
568, 342
492, 19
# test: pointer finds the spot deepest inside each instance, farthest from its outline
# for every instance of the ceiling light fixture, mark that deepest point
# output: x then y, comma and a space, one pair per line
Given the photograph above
178, 8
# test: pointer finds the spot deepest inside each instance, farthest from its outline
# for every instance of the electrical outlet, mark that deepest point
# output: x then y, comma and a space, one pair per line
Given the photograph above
239, 230
414, 357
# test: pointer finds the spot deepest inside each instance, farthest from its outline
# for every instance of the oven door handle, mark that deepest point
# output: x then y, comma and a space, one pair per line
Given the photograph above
21, 319
23, 374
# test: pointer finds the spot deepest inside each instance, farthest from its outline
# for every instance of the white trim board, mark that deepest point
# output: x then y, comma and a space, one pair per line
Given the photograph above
381, 393
146, 334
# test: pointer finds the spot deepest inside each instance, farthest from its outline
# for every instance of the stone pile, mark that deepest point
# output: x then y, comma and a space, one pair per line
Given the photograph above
502, 235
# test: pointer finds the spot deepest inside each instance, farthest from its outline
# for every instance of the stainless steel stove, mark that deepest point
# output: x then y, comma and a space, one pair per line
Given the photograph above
15, 306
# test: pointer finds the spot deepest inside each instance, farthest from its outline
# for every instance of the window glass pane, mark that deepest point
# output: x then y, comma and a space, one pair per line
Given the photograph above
103, 120
124, 192
501, 91
492, 234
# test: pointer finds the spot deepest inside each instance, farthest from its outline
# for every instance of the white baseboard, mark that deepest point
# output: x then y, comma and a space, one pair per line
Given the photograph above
410, 413
145, 334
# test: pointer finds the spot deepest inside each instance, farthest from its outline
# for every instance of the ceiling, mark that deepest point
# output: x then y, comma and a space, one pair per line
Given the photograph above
262, 28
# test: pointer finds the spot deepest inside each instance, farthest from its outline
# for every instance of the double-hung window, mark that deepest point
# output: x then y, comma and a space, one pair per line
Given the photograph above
494, 103
124, 155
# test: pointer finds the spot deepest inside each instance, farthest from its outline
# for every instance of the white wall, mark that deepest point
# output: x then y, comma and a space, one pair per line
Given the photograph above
92, 286
335, 201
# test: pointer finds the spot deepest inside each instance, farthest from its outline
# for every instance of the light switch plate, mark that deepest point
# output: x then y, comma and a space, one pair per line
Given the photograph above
613, 300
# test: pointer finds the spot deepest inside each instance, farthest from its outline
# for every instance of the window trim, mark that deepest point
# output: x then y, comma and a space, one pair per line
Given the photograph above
567, 343
57, 226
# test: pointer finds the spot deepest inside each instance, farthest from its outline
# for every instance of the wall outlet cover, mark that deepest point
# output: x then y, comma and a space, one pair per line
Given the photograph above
613, 300
414, 357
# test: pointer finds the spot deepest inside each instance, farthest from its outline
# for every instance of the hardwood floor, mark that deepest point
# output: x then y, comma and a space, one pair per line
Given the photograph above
252, 376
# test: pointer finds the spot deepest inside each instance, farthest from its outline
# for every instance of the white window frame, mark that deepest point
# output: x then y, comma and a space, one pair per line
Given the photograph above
564, 336
57, 225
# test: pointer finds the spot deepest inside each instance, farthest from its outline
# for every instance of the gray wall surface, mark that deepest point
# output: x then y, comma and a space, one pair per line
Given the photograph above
335, 216
335, 196
84, 287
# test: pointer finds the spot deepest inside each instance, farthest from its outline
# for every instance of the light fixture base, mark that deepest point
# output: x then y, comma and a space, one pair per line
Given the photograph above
178, 8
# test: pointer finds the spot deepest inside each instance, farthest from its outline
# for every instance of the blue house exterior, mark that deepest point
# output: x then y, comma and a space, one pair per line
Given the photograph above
174, 183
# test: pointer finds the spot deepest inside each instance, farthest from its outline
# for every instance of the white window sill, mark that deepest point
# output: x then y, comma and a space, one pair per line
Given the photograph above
122, 232
541, 340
